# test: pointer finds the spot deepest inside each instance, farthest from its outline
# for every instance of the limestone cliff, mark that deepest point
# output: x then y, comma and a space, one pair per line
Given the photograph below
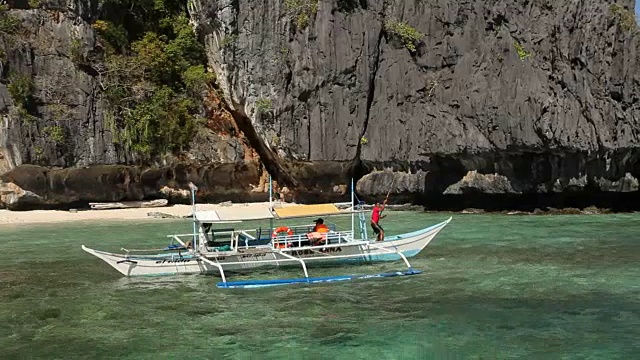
53, 113
542, 93
53, 47
505, 103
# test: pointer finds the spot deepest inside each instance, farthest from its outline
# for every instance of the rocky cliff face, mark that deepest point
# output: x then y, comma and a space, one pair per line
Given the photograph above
63, 123
543, 94
508, 103
53, 114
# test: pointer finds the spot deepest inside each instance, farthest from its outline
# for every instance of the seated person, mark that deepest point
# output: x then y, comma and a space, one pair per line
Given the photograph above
318, 235
320, 226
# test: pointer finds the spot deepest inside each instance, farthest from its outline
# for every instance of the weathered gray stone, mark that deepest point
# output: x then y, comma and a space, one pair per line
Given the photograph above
69, 125
542, 93
628, 183
11, 196
377, 184
464, 90
40, 187
484, 183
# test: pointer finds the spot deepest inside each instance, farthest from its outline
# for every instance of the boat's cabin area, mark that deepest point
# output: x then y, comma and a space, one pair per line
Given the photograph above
218, 230
217, 238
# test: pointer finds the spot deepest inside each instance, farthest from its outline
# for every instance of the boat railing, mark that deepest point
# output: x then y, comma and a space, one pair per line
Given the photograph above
217, 232
300, 240
296, 229
180, 235
306, 228
224, 238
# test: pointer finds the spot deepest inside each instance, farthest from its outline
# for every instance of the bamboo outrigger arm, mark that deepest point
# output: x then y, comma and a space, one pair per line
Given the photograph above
304, 266
219, 266
393, 252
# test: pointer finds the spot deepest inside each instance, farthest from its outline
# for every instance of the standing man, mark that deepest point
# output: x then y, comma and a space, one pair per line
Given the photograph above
375, 218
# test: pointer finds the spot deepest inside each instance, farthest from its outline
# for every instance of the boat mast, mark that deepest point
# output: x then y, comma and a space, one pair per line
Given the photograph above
193, 203
270, 206
353, 209
270, 193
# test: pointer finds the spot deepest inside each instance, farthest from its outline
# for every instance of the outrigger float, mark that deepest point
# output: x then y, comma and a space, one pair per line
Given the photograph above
221, 250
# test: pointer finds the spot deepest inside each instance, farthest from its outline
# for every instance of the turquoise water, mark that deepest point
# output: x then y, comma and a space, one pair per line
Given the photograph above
493, 287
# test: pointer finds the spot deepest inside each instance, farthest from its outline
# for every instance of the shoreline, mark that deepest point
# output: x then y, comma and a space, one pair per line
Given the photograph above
170, 212
10, 218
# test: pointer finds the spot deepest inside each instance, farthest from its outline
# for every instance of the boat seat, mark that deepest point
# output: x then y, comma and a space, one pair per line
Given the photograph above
217, 239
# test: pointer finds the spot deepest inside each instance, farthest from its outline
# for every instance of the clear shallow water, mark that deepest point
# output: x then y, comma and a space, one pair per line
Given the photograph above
493, 287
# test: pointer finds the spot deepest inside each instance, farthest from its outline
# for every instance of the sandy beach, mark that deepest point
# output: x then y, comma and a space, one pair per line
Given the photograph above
11, 218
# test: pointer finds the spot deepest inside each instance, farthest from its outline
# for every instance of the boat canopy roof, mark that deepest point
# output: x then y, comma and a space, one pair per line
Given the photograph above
306, 210
264, 212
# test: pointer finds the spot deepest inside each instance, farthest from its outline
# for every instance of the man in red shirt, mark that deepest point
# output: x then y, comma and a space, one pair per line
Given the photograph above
375, 217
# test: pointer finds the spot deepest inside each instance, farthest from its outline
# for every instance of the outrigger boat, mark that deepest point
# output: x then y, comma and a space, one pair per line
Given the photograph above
221, 250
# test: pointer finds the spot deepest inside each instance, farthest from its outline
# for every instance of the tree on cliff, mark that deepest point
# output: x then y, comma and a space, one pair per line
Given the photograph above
153, 73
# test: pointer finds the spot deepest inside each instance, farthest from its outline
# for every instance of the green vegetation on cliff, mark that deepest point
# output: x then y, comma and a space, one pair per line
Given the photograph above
152, 72
627, 18
407, 34
20, 88
522, 53
9, 24
55, 133
302, 11
263, 105
19, 85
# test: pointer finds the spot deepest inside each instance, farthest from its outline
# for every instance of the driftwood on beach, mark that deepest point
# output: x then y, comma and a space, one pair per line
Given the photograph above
129, 204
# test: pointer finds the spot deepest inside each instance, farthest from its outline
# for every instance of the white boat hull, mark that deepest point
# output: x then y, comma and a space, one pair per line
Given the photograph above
409, 245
